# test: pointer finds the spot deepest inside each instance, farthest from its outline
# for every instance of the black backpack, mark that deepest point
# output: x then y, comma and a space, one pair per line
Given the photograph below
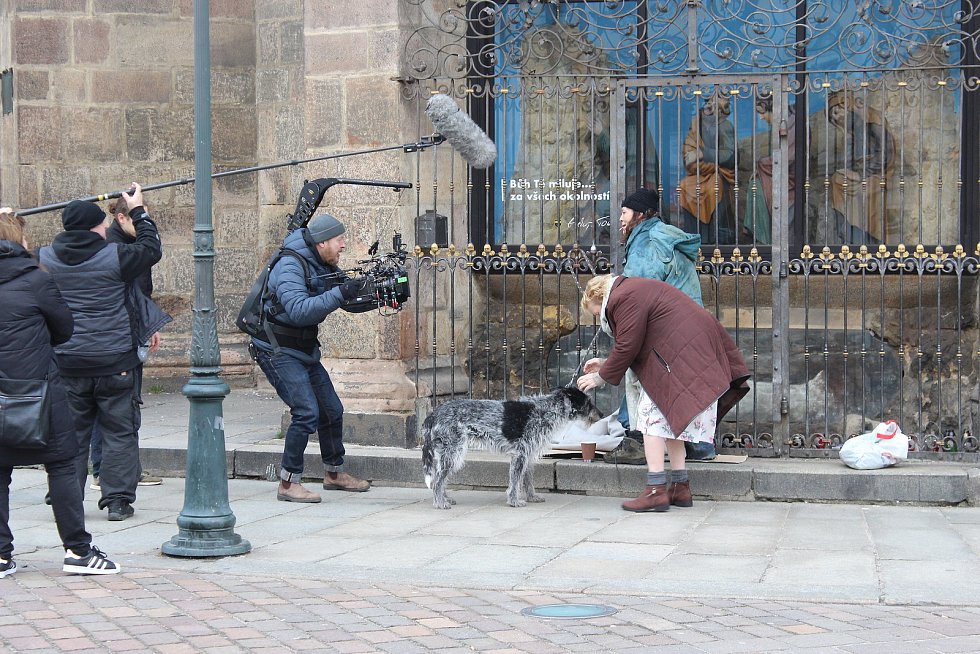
252, 319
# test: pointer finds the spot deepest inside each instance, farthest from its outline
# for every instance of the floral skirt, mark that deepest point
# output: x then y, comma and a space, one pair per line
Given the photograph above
651, 422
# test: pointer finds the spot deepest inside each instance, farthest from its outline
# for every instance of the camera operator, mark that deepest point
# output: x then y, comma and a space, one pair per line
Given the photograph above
297, 302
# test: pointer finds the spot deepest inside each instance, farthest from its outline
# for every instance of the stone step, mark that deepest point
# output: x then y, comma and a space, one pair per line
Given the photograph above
795, 480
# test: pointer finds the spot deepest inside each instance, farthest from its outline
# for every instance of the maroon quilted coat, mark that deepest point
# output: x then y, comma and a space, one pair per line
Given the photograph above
683, 357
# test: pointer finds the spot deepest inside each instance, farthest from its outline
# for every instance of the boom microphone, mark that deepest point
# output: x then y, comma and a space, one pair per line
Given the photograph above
463, 134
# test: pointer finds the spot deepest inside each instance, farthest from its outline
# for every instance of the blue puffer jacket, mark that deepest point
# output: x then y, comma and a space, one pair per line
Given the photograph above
300, 299
305, 303
656, 250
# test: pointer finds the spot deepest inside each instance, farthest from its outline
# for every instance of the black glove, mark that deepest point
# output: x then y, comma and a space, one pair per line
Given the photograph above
350, 288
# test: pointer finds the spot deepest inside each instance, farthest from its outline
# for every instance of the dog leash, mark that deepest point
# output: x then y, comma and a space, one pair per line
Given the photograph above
598, 331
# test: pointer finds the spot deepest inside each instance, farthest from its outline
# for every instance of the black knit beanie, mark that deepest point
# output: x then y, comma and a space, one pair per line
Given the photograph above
643, 200
81, 215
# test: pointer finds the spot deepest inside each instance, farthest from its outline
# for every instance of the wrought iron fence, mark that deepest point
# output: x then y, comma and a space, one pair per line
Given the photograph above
828, 153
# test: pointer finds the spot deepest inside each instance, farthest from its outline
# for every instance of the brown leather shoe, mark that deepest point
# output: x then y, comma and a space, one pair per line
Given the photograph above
680, 494
345, 482
653, 498
294, 492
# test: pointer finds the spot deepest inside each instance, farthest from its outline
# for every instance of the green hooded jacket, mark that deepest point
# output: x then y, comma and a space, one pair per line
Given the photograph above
656, 250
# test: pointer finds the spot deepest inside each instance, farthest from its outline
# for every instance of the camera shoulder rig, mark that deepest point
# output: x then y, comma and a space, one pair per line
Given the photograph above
386, 286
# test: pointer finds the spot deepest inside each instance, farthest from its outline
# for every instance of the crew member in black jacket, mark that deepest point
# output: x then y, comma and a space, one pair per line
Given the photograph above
33, 319
123, 230
100, 363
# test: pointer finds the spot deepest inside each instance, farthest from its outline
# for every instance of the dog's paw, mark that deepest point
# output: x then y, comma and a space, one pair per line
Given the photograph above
516, 503
443, 505
535, 498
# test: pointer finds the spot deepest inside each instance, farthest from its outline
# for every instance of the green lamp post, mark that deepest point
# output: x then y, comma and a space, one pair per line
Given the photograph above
206, 522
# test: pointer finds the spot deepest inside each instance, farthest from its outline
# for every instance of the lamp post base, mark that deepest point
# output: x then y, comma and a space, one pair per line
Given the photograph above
206, 523
197, 544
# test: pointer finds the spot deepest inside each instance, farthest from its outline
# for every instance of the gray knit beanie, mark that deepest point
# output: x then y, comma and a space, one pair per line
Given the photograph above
324, 227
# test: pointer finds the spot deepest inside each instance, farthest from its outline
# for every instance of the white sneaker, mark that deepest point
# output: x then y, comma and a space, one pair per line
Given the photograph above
7, 567
96, 563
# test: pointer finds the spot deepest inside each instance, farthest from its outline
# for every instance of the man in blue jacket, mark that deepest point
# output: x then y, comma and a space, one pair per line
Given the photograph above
100, 364
656, 250
301, 294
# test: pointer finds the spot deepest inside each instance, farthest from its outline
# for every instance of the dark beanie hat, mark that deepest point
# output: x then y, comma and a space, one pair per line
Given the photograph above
324, 227
81, 215
643, 200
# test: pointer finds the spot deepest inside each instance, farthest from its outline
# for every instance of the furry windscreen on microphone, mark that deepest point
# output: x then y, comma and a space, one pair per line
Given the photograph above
463, 134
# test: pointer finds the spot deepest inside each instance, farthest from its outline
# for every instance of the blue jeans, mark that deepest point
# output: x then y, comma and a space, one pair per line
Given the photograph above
695, 451
700, 451
306, 389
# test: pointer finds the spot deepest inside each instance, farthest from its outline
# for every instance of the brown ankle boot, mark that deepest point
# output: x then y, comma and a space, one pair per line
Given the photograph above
345, 482
680, 494
294, 492
653, 498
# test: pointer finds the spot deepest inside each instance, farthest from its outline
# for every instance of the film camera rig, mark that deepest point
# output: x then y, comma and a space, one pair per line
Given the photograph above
386, 286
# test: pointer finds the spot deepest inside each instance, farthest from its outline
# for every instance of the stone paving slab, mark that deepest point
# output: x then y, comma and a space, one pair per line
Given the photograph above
775, 550
384, 571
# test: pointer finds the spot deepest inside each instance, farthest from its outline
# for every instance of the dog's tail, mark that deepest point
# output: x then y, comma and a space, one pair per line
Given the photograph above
428, 462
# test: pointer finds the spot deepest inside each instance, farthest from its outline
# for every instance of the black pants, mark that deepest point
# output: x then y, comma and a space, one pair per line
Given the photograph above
113, 401
66, 502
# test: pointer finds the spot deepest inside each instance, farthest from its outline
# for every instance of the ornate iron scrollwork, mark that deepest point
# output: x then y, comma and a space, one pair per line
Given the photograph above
617, 38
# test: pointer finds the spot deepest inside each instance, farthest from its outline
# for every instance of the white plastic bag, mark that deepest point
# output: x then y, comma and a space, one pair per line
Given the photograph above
885, 446
606, 434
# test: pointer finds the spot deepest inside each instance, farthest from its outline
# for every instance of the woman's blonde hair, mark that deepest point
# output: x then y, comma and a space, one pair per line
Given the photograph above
596, 290
11, 227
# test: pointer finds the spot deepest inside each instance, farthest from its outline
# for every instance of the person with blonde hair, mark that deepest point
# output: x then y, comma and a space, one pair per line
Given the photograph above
33, 319
690, 374
655, 250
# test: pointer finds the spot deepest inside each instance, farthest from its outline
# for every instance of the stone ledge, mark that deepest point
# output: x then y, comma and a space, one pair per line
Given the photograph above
756, 479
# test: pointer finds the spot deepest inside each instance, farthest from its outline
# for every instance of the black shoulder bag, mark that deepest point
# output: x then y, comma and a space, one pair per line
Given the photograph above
24, 416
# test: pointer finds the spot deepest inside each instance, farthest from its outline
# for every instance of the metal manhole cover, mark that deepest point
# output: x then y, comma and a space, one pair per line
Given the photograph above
569, 611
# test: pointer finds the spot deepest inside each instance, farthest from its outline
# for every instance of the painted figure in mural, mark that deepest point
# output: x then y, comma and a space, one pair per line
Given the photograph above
706, 193
757, 221
862, 154
642, 165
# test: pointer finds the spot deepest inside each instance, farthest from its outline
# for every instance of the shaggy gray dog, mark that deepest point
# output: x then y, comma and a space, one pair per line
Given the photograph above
521, 428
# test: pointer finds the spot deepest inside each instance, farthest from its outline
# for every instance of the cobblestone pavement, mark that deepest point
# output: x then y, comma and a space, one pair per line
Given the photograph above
174, 611
386, 572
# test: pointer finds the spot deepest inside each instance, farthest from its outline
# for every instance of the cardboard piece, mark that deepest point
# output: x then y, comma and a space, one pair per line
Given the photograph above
573, 455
